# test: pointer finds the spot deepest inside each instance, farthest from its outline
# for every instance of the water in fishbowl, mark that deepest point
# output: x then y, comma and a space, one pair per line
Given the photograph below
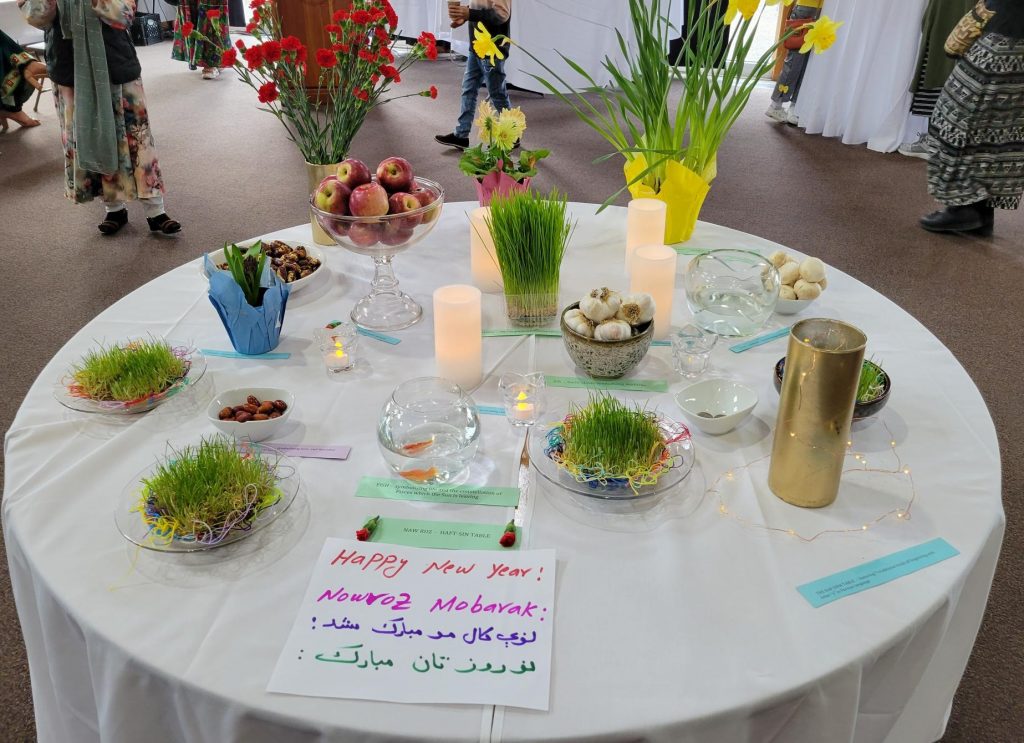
431, 453
730, 313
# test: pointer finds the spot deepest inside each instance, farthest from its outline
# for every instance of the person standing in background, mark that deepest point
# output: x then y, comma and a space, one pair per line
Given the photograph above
977, 128
934, 66
21, 75
495, 15
199, 14
108, 146
788, 85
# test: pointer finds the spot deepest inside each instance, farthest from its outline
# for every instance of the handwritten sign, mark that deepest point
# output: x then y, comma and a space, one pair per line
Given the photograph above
473, 495
402, 624
636, 385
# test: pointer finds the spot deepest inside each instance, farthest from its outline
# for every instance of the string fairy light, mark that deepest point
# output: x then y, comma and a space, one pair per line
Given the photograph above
901, 514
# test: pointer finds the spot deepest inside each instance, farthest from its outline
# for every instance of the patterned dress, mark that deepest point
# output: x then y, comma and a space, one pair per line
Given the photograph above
977, 127
201, 53
138, 172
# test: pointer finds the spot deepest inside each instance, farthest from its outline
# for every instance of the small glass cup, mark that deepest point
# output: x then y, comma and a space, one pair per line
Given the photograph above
524, 397
339, 347
691, 349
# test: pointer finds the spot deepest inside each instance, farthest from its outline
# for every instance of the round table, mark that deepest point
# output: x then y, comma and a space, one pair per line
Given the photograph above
692, 631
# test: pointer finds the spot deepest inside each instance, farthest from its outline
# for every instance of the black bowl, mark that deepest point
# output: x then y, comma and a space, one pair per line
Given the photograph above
861, 410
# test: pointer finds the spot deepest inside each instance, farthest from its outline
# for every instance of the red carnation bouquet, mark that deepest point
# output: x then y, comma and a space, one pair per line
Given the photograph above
356, 71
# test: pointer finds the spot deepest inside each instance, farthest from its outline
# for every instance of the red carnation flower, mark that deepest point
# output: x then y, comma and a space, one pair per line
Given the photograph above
427, 39
344, 48
254, 57
509, 537
374, 78
368, 528
272, 50
433, 91
240, 44
390, 72
367, 56
382, 36
392, 16
291, 43
213, 14
332, 28
326, 58
268, 92
361, 17
250, 27
339, 16
187, 28
361, 94
228, 58
300, 56
256, 3
362, 534
386, 54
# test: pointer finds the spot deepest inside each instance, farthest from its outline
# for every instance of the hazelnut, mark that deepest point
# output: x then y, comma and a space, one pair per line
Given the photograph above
261, 417
281, 405
242, 417
225, 413
266, 407
252, 400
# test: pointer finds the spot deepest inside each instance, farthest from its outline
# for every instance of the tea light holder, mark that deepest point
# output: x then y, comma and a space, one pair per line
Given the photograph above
654, 272
483, 261
339, 344
458, 334
524, 397
645, 225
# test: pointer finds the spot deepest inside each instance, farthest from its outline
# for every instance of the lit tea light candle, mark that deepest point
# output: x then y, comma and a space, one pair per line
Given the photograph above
483, 261
338, 343
523, 411
523, 397
335, 359
654, 272
458, 334
645, 225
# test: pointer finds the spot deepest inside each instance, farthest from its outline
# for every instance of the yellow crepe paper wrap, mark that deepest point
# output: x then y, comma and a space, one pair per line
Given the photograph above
682, 190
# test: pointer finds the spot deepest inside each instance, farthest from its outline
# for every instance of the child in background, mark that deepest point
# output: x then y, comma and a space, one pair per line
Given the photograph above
788, 84
495, 16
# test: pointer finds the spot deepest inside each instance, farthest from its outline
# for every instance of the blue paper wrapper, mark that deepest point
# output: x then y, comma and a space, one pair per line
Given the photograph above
252, 330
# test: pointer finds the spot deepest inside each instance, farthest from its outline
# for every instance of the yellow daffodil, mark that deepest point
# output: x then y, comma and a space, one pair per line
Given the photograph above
820, 35
517, 120
484, 45
504, 134
746, 8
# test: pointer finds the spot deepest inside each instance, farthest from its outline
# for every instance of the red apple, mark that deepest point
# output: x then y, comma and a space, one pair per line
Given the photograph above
336, 226
332, 196
368, 200
395, 233
425, 197
365, 234
402, 202
395, 174
353, 172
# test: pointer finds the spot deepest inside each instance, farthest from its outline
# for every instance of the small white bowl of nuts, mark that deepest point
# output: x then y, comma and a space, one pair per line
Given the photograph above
800, 281
253, 413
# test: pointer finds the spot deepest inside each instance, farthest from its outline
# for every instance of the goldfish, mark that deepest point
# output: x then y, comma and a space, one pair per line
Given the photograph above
417, 446
420, 475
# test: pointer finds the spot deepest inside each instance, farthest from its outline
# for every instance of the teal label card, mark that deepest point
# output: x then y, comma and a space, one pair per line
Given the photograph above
501, 332
384, 487
442, 534
636, 385
876, 573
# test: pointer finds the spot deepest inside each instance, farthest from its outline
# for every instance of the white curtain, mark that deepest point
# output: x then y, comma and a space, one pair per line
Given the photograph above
859, 89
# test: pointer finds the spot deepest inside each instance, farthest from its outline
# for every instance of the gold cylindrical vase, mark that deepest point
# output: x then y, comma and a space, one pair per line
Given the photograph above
819, 389
315, 174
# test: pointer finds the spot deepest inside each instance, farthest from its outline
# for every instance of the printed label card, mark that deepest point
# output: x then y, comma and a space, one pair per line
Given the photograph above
403, 624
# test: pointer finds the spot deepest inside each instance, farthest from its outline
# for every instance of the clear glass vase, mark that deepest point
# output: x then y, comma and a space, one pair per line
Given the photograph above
731, 292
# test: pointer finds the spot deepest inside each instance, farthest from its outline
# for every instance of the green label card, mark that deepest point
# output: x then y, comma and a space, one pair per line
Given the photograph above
442, 534
383, 487
546, 332
635, 385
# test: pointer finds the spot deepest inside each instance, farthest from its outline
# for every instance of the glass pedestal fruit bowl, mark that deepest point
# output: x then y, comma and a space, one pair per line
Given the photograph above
612, 495
386, 307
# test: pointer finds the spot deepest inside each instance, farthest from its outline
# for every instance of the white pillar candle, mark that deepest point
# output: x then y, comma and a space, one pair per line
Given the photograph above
458, 335
645, 225
654, 272
483, 261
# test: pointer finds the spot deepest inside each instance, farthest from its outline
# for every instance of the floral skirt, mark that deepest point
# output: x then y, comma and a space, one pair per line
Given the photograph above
138, 171
195, 52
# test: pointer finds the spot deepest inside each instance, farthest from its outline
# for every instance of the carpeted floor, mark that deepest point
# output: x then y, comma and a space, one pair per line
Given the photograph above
231, 174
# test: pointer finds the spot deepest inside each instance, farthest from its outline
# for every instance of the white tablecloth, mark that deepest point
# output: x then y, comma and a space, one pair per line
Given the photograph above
691, 632
859, 89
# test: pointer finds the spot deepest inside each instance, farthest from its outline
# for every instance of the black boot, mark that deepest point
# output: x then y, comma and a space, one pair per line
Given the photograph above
988, 218
955, 219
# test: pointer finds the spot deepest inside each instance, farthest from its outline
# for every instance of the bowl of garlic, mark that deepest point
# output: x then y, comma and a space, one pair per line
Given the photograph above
606, 333
801, 282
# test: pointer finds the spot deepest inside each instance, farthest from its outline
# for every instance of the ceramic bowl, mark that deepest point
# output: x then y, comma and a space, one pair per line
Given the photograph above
217, 259
716, 406
792, 306
861, 410
606, 359
251, 430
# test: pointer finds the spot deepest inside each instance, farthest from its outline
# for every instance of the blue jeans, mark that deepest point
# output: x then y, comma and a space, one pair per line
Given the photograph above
479, 71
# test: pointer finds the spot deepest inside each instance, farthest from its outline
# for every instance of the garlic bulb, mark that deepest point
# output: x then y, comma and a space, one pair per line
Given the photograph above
812, 269
789, 272
779, 258
786, 292
601, 304
823, 283
577, 322
613, 330
636, 309
807, 290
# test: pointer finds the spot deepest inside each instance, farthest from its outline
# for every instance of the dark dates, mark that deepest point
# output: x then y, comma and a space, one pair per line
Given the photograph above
253, 409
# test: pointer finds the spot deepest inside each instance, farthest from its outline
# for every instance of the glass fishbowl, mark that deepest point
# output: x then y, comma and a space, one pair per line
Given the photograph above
731, 292
429, 431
